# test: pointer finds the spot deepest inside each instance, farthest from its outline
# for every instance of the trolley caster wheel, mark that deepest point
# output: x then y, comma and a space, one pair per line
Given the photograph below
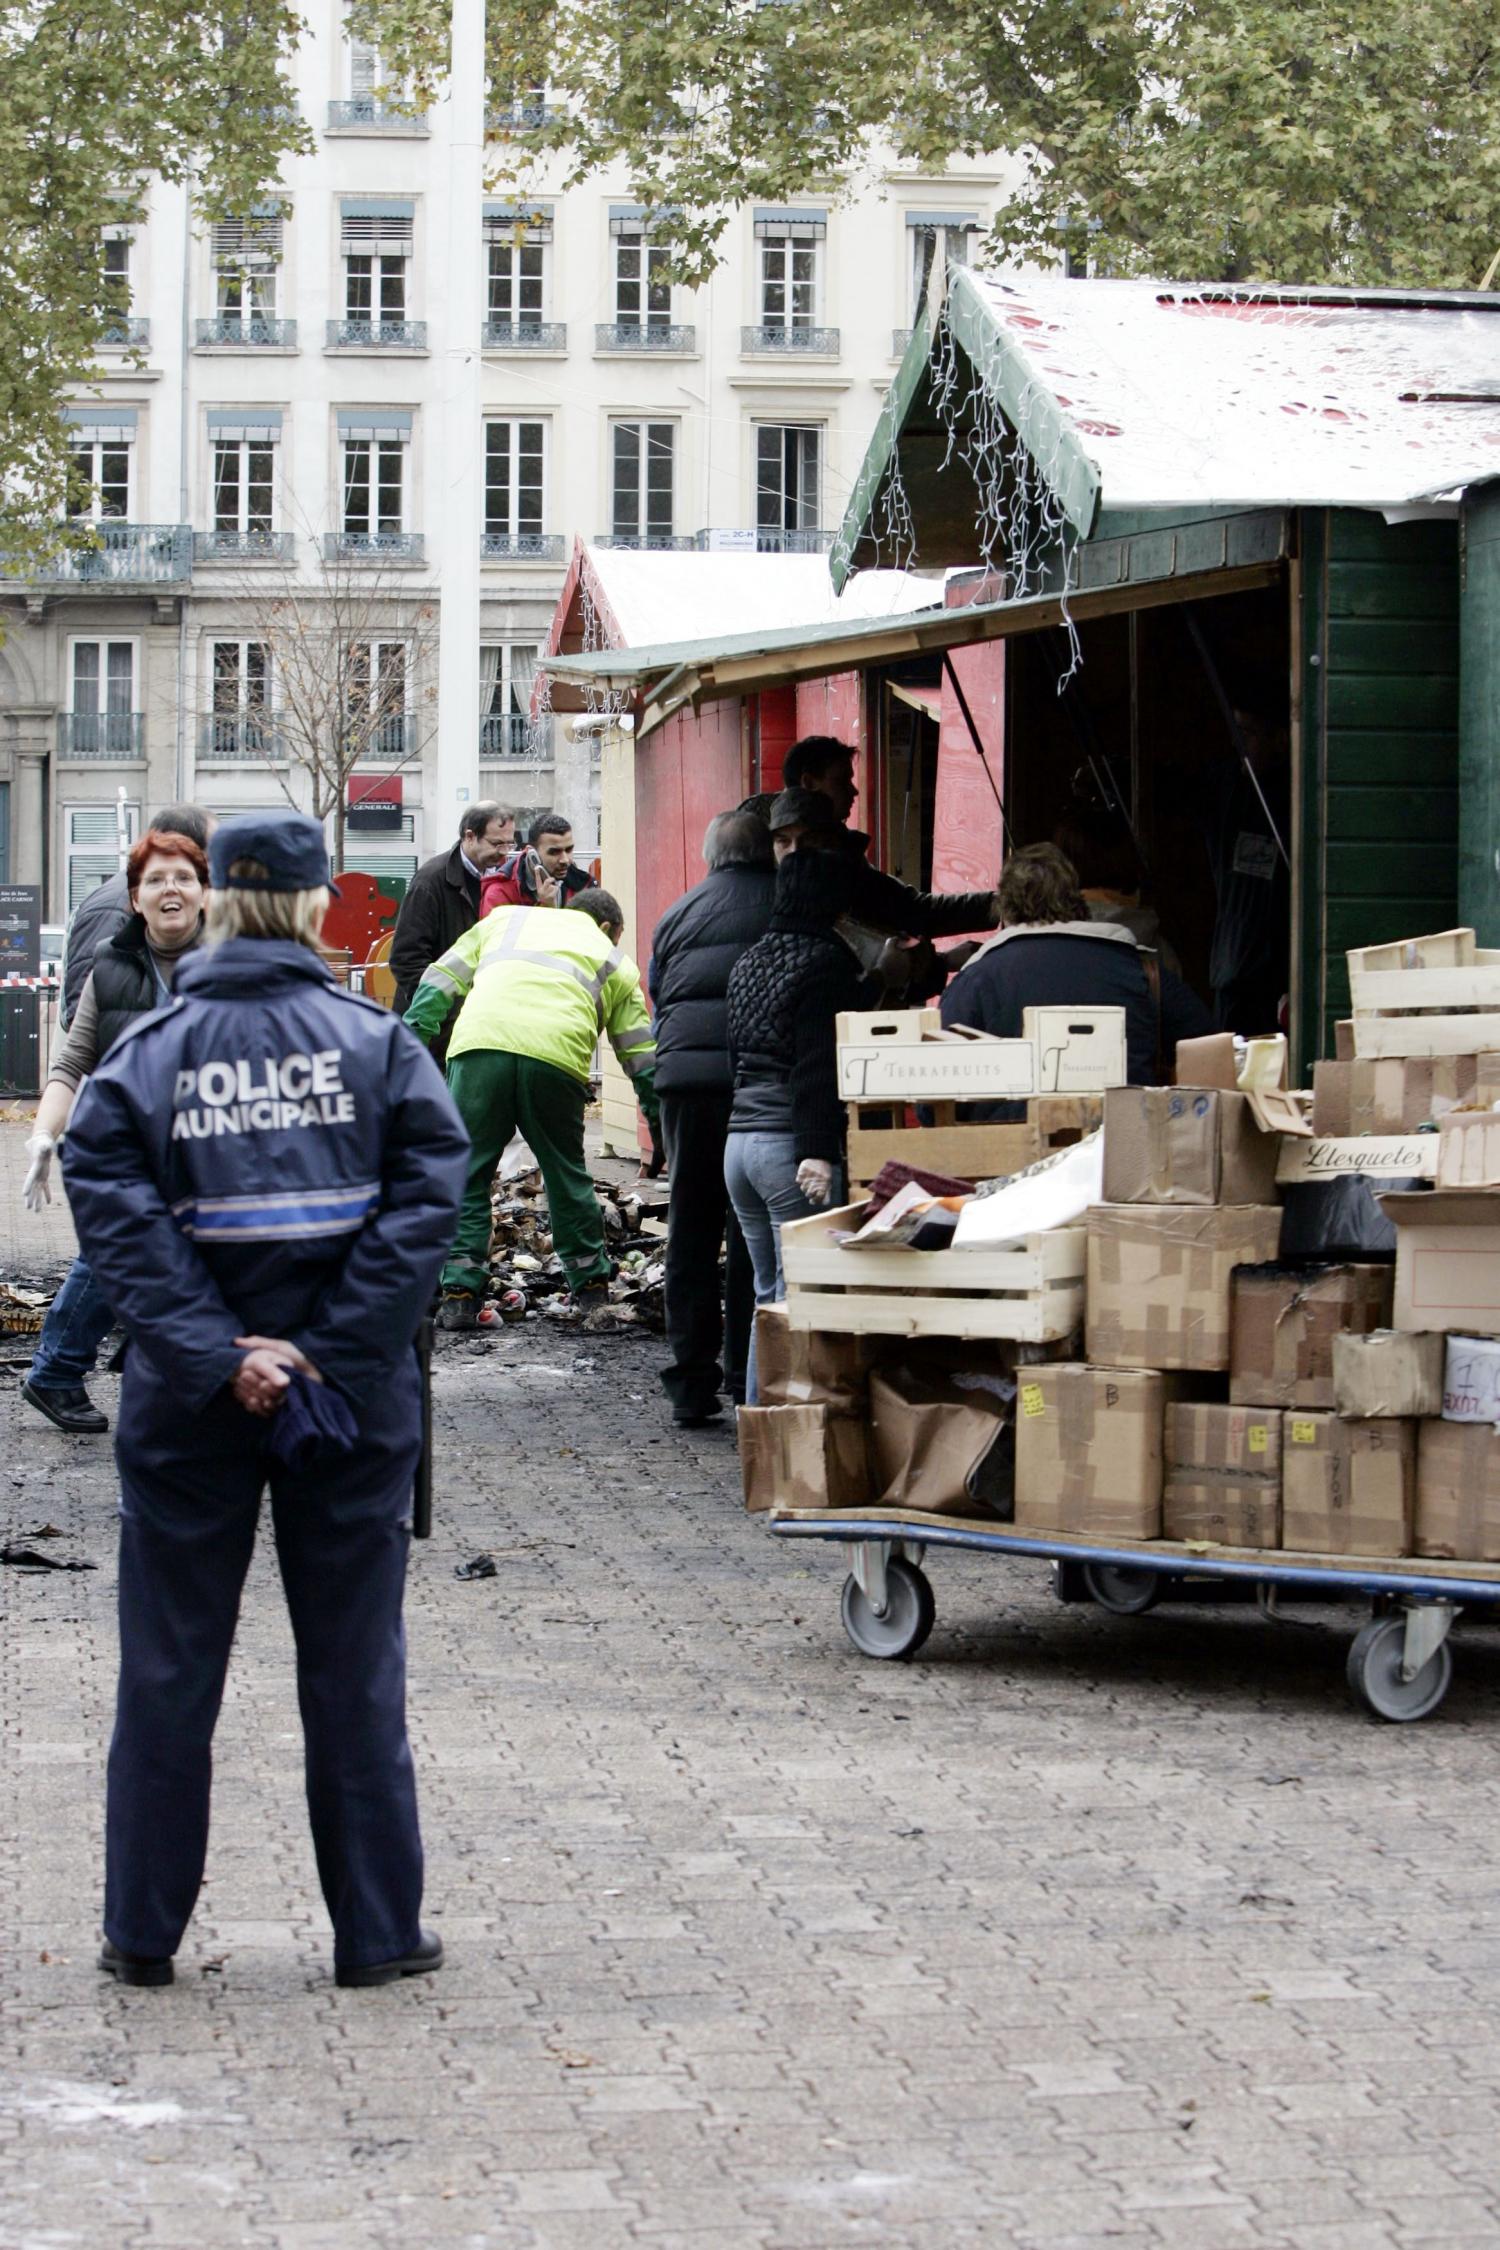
1120, 1590
1374, 1672
1069, 1582
909, 1612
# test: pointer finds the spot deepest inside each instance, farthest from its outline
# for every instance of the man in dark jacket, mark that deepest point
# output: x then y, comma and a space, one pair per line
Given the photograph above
823, 764
264, 1177
1051, 953
697, 943
105, 912
442, 901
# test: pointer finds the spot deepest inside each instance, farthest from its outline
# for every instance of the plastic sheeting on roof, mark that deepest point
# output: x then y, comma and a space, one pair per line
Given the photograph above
696, 597
1204, 397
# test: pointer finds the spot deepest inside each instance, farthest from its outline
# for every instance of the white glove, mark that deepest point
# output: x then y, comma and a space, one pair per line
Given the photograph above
34, 1189
815, 1178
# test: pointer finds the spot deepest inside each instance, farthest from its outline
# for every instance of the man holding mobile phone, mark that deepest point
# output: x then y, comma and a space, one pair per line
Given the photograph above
542, 873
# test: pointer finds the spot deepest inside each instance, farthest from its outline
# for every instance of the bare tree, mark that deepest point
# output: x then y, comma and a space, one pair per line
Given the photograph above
343, 688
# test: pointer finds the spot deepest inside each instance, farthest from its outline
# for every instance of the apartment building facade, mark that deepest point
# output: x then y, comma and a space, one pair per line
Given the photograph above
265, 438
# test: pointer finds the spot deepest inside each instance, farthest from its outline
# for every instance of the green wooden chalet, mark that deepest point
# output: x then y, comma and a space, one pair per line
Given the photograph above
1268, 502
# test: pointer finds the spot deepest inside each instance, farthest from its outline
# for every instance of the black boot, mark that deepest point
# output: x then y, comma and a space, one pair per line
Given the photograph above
70, 1408
425, 1955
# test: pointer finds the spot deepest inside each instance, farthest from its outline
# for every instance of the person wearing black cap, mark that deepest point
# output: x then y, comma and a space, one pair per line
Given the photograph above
264, 1178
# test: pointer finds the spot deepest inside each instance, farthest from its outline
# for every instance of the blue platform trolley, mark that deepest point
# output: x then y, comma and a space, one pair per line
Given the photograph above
1400, 1663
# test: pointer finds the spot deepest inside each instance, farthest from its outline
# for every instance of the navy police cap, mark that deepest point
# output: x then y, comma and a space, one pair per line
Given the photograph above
288, 845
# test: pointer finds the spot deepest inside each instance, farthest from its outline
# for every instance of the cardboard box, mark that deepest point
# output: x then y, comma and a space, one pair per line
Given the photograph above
1283, 1324
1089, 1450
1185, 1145
1396, 1094
1471, 1380
1223, 1475
1458, 1492
1387, 1375
802, 1457
942, 1440
1347, 1488
1332, 1093
1469, 1149
1447, 1260
1158, 1280
810, 1366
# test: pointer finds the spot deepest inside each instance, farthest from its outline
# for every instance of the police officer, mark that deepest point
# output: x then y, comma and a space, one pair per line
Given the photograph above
264, 1178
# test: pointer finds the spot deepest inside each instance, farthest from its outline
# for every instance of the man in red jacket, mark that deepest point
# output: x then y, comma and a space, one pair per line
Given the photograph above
542, 873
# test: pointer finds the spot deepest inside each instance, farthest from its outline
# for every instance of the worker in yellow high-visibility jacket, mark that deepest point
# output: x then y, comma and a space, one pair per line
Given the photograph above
539, 986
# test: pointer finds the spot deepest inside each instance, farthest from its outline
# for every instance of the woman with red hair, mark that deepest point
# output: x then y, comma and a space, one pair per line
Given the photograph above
167, 877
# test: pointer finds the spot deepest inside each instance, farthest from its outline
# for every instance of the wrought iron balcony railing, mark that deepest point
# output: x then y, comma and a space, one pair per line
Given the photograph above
101, 734
377, 335
650, 542
243, 546
240, 734
641, 336
525, 336
128, 554
520, 117
523, 546
387, 738
373, 546
125, 334
513, 735
765, 540
246, 332
366, 115
823, 342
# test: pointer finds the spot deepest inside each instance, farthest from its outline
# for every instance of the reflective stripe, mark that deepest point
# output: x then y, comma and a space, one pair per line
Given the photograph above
631, 1042
277, 1218
456, 970
592, 985
633, 1063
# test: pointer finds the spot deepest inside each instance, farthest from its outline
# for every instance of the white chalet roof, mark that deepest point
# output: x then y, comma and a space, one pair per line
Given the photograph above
655, 598
1176, 395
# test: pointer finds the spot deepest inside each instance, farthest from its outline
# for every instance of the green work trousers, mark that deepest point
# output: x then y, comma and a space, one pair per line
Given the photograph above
499, 1095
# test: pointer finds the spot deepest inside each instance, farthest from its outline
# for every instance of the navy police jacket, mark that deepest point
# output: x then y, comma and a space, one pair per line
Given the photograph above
268, 1156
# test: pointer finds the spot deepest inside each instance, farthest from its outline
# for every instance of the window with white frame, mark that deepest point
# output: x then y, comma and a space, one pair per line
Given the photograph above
116, 257
101, 442
518, 245
790, 249
365, 73
788, 476
91, 846
375, 698
642, 498
242, 446
239, 724
374, 486
936, 237
514, 479
643, 294
507, 676
102, 720
376, 237
246, 257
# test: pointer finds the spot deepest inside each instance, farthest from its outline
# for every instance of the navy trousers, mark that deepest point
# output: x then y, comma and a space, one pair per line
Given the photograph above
190, 1494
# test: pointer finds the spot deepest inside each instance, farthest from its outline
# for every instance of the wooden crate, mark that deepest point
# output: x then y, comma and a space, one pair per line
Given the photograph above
966, 1152
1436, 995
1031, 1293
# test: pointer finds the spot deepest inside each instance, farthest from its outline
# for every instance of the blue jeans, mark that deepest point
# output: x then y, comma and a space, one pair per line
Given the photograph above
77, 1322
760, 1172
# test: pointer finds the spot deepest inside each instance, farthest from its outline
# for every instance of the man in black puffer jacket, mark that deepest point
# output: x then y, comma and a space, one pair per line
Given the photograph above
697, 943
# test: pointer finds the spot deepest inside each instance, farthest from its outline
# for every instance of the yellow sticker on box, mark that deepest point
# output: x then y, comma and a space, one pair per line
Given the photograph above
1304, 1433
1255, 1437
1032, 1401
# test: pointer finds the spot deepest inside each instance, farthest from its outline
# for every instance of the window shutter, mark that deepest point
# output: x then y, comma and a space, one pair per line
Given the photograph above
518, 222
371, 227
252, 241
790, 226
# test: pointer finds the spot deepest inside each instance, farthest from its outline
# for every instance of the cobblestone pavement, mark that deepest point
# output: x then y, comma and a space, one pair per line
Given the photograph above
1078, 1931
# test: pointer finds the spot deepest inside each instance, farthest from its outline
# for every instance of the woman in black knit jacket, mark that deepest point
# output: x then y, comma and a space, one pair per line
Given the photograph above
784, 1154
